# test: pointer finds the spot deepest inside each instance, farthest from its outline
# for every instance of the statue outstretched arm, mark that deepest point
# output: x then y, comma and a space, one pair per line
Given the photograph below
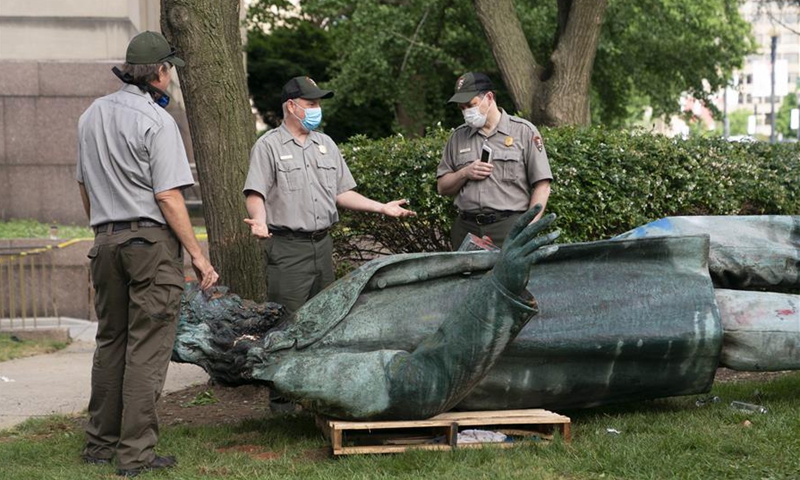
444, 367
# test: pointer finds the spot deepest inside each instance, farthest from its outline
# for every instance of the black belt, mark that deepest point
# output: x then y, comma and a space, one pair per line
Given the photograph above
118, 226
285, 232
485, 218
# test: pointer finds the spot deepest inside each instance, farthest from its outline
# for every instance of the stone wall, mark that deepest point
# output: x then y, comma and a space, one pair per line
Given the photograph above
55, 59
40, 103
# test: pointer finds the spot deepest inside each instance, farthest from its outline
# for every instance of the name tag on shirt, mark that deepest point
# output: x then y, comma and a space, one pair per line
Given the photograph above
287, 157
465, 150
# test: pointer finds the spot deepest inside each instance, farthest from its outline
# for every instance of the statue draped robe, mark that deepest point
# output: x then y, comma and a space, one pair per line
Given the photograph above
411, 336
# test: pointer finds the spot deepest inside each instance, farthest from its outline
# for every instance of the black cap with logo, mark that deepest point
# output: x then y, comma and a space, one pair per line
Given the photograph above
149, 48
303, 87
469, 85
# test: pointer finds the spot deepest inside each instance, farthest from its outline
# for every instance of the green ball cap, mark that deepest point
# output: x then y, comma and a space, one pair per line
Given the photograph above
303, 87
469, 85
149, 48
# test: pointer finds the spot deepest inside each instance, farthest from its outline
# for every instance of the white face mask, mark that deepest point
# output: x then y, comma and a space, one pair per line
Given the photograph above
473, 116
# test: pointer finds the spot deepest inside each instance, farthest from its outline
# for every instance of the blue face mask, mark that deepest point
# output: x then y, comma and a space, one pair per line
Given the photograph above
161, 100
312, 119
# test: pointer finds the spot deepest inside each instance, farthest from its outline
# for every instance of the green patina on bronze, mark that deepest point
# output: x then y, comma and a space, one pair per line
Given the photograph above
410, 336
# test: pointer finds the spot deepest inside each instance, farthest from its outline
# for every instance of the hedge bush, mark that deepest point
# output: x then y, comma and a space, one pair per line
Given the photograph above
606, 182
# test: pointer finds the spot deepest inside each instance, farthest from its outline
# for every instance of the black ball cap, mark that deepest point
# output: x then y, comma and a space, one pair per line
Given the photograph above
303, 87
469, 85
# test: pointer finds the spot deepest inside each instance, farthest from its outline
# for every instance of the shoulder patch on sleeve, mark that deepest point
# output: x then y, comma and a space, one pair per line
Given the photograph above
537, 141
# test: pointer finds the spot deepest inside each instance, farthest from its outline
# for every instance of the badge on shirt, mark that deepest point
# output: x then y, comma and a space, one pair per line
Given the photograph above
509, 141
537, 140
287, 157
322, 149
465, 150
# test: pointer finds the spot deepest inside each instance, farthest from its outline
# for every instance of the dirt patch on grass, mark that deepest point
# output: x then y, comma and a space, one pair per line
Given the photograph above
725, 375
213, 405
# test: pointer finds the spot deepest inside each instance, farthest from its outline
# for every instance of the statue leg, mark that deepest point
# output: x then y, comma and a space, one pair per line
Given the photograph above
761, 330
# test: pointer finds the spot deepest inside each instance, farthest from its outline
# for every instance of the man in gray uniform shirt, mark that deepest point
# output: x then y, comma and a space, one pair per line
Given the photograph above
491, 195
297, 178
131, 169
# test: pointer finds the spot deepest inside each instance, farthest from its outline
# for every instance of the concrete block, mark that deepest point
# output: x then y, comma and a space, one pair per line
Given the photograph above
46, 193
42, 130
2, 132
57, 129
77, 79
19, 78
71, 291
47, 38
69, 8
21, 136
5, 200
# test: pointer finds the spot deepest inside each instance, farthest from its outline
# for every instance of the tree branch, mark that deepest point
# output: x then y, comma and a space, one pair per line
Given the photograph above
413, 40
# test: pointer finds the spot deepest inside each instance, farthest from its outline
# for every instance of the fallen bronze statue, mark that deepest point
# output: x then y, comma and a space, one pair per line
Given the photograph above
651, 313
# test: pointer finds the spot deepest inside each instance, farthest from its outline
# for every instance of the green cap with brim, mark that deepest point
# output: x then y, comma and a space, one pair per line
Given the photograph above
303, 87
148, 48
469, 85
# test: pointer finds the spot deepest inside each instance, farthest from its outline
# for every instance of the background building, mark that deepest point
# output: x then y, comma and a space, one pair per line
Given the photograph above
55, 59
753, 91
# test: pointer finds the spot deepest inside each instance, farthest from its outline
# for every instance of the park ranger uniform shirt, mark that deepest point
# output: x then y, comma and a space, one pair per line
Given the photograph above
299, 183
519, 160
129, 149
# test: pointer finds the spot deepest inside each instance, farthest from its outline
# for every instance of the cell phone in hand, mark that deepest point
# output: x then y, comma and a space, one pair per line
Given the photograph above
486, 154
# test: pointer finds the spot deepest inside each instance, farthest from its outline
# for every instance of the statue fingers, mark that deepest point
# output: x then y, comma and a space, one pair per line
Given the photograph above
540, 254
537, 243
524, 220
534, 229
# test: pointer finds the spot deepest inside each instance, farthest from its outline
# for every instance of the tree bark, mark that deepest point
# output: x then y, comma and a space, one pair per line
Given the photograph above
556, 93
206, 35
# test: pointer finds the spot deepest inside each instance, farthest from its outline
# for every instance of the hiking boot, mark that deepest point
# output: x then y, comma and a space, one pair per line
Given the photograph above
95, 460
157, 464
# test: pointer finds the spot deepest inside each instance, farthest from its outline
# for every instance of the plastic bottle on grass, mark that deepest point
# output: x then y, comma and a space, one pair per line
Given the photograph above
748, 407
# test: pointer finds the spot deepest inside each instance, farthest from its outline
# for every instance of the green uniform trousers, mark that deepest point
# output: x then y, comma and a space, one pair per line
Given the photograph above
497, 231
297, 268
138, 279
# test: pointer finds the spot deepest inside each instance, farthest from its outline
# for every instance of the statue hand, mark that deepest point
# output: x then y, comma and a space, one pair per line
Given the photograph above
523, 248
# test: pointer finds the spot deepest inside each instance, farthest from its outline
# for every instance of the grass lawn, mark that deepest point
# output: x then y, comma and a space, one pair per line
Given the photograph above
33, 229
667, 438
11, 348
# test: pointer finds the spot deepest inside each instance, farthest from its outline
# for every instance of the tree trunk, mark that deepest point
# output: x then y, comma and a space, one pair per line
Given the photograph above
558, 93
206, 35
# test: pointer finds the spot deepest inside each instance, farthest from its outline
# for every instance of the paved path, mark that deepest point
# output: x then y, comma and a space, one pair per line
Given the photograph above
60, 382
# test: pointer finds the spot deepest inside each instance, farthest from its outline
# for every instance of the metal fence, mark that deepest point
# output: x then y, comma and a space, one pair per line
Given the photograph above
26, 285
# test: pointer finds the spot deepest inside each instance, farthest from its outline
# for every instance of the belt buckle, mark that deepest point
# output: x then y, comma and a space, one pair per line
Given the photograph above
485, 218
318, 234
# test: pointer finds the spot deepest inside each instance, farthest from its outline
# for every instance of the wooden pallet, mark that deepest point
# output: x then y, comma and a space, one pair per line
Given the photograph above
439, 432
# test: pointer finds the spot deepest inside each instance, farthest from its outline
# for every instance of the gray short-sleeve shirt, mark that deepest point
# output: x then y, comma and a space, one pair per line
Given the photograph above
519, 160
129, 149
299, 183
